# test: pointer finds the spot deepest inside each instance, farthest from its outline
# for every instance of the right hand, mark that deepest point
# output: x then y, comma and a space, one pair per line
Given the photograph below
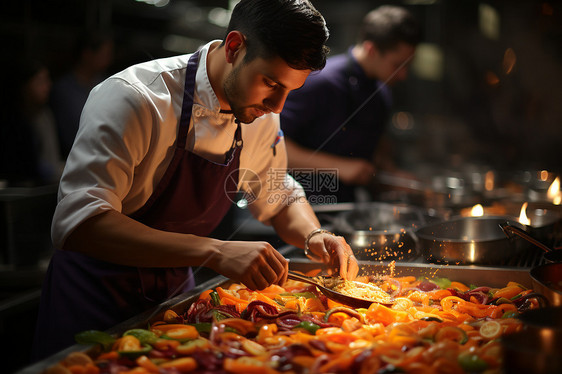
256, 264
334, 251
356, 171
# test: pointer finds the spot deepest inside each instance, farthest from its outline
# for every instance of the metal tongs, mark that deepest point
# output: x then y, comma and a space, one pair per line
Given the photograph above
317, 281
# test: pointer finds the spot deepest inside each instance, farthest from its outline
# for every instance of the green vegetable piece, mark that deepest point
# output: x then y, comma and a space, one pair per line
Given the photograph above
308, 294
215, 298
348, 311
442, 282
516, 297
503, 300
362, 311
219, 315
308, 326
144, 336
202, 327
471, 363
90, 337
145, 349
510, 314
205, 327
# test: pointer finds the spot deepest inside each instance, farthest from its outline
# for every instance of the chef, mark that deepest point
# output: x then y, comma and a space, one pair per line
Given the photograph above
162, 147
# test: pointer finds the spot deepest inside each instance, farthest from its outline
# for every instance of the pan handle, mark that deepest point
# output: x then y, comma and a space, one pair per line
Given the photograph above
509, 230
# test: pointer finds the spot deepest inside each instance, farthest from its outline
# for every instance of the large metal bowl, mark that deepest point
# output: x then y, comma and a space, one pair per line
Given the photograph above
469, 240
547, 280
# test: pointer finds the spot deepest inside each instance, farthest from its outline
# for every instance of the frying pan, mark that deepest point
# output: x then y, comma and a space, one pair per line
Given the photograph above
550, 256
351, 301
547, 280
468, 240
544, 220
377, 231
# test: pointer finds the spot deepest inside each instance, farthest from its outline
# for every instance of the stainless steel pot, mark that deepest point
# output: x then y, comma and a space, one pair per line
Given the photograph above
547, 280
381, 231
468, 240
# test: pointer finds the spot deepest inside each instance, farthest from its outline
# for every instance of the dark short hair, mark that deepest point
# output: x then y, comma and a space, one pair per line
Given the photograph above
291, 29
388, 25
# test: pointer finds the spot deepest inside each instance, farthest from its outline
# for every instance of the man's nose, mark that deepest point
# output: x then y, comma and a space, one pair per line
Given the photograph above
276, 101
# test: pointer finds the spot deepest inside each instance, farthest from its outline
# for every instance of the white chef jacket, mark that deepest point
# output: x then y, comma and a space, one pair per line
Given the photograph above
127, 136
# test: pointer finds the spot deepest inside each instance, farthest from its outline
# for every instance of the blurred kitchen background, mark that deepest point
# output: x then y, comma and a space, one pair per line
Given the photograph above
485, 86
482, 103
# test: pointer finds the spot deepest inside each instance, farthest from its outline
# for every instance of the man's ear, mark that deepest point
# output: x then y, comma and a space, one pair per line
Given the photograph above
234, 44
370, 48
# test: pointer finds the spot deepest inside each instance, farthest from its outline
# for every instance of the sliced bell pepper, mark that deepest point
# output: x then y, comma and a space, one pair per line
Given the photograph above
144, 336
311, 327
182, 334
95, 337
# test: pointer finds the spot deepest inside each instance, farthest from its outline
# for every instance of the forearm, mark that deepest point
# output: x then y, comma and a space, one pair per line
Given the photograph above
116, 238
295, 222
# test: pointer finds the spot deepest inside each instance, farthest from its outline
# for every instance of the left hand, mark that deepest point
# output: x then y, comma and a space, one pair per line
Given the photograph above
334, 251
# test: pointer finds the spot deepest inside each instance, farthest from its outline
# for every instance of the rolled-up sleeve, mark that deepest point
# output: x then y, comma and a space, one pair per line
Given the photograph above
109, 145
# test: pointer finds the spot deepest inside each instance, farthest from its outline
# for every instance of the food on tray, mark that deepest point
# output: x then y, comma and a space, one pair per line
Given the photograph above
361, 290
432, 326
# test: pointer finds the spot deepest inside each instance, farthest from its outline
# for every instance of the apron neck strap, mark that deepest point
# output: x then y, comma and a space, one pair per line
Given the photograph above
188, 93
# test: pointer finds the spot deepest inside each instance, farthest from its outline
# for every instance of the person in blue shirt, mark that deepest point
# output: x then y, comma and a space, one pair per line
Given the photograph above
335, 122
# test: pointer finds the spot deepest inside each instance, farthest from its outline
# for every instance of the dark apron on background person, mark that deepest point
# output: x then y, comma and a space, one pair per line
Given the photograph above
83, 293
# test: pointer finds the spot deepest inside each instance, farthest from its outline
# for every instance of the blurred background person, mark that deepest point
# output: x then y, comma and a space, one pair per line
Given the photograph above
337, 120
29, 147
93, 55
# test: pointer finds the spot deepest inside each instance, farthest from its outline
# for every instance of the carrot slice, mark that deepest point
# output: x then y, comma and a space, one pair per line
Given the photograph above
145, 362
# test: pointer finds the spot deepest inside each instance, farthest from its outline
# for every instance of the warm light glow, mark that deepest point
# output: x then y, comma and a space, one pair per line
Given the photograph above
489, 181
509, 60
554, 193
477, 211
492, 79
523, 215
543, 175
403, 121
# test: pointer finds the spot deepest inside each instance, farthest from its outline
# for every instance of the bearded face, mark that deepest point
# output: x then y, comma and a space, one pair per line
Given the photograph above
260, 86
236, 94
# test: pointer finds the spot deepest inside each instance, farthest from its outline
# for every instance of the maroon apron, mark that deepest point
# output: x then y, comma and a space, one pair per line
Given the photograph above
83, 293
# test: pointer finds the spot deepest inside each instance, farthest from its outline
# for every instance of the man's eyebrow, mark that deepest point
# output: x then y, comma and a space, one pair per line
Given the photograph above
281, 84
277, 82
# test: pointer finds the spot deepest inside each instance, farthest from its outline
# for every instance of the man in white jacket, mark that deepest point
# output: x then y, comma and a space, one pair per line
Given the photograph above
157, 157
